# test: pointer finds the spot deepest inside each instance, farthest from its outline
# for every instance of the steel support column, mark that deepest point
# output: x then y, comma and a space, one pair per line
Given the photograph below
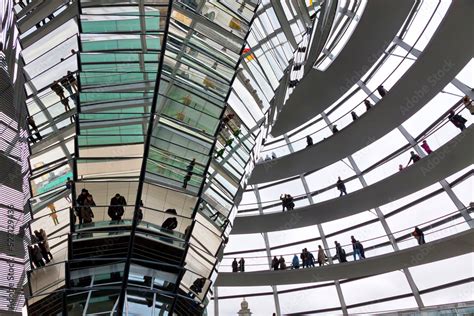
216, 301
267, 249
122, 297
381, 217
321, 232
285, 25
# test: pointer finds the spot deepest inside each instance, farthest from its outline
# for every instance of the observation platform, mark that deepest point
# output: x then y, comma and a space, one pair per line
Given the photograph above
378, 25
441, 163
448, 247
438, 64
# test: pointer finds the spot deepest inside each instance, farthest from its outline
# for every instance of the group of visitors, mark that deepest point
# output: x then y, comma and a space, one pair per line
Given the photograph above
278, 264
217, 217
230, 129
40, 252
69, 83
380, 89
85, 202
414, 157
287, 202
238, 266
457, 120
268, 157
308, 260
357, 251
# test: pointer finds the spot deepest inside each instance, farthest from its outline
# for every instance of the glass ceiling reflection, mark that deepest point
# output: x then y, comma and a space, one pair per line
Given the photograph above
121, 47
48, 57
199, 65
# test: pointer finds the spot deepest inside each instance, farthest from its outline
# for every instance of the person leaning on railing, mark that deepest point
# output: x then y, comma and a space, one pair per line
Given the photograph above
419, 235
469, 104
